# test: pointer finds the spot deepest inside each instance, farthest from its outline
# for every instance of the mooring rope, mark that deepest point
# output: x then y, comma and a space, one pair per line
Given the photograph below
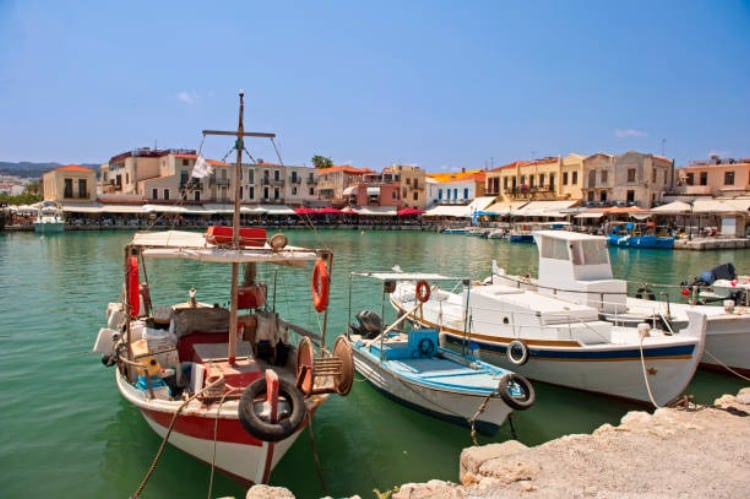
318, 467
645, 372
164, 440
739, 375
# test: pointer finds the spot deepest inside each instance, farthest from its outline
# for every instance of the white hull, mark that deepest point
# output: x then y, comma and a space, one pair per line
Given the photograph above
611, 375
49, 227
458, 407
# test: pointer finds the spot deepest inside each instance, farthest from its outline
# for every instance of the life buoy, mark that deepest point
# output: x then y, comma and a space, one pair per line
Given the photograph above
517, 352
516, 391
251, 407
134, 297
321, 285
645, 293
426, 347
423, 291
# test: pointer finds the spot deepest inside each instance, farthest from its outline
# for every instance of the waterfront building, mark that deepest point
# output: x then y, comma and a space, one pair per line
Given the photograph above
717, 177
413, 183
633, 178
375, 189
69, 183
526, 180
458, 187
333, 183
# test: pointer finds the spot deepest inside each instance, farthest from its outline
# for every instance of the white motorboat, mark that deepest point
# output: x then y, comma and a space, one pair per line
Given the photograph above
555, 341
576, 267
49, 219
410, 366
226, 385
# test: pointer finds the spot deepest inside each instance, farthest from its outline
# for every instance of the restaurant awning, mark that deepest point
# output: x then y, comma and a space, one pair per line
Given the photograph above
276, 209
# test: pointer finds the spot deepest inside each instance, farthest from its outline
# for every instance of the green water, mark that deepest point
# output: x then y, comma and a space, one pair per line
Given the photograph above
66, 432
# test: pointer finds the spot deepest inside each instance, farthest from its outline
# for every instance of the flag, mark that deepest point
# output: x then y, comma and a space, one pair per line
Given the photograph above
201, 169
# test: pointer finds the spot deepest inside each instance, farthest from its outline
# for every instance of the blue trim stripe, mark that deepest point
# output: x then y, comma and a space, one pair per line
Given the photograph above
676, 351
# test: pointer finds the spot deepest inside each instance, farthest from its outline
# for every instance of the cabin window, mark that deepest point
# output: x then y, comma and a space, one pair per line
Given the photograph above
554, 248
595, 252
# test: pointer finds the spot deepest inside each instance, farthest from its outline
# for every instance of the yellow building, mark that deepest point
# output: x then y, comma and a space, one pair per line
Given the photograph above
69, 183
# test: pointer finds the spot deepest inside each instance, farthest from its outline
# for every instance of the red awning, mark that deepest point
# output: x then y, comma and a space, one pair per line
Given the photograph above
405, 212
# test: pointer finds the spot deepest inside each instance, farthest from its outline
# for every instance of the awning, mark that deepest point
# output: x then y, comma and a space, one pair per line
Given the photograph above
373, 191
543, 209
352, 189
376, 211
590, 214
446, 210
673, 208
121, 208
276, 209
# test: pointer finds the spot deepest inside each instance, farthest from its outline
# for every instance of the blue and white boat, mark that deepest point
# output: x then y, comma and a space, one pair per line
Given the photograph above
630, 235
410, 366
49, 219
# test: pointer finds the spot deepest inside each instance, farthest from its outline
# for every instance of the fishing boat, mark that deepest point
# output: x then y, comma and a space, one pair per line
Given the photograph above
409, 365
633, 235
49, 219
229, 386
559, 342
576, 267
717, 285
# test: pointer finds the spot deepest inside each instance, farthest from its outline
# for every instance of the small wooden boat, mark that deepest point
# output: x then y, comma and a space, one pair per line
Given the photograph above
229, 386
410, 366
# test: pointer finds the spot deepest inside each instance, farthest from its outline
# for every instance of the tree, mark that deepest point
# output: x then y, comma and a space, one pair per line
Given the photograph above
319, 161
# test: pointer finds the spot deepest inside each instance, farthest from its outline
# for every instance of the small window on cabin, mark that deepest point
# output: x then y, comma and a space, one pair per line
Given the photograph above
554, 248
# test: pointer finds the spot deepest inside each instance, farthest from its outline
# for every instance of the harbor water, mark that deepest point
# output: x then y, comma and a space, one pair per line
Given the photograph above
68, 433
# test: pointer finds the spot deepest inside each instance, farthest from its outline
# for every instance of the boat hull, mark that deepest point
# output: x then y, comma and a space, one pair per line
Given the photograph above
225, 445
456, 407
612, 371
49, 227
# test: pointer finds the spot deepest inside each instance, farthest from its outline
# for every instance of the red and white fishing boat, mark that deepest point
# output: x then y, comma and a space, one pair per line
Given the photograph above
226, 384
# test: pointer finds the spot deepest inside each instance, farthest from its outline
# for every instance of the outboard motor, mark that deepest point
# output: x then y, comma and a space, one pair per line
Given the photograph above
707, 278
370, 324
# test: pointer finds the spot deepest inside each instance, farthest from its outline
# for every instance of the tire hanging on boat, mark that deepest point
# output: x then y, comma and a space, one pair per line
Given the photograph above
252, 401
517, 346
321, 285
510, 381
423, 291
426, 347
134, 297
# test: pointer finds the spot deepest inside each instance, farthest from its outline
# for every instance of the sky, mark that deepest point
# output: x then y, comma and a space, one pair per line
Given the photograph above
437, 83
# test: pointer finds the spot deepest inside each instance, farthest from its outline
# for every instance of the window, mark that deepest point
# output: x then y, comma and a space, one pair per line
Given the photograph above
312, 191
154, 193
276, 175
416, 196
394, 194
574, 180
241, 191
440, 194
603, 196
729, 178
166, 194
82, 188
565, 178
690, 179
197, 196
466, 193
704, 178
294, 191
592, 179
250, 176
68, 189
541, 180
250, 192
183, 178
408, 181
455, 194
554, 248
603, 175
653, 176
552, 181
630, 196
184, 162
631, 174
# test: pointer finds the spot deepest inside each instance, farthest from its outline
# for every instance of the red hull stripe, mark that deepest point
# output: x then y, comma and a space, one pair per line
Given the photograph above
228, 430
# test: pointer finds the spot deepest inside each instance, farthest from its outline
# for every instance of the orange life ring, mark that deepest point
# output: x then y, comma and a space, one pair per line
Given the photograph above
423, 291
321, 285
134, 296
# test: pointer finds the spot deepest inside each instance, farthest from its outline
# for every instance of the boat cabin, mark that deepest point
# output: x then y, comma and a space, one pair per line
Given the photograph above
572, 264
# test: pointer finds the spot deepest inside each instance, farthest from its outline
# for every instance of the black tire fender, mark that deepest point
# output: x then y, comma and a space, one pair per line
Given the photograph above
510, 381
251, 403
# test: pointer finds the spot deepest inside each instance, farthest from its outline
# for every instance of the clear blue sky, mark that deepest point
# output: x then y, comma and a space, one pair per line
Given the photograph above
443, 84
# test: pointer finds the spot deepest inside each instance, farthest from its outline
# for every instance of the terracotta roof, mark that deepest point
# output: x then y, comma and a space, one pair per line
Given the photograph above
457, 176
352, 170
73, 168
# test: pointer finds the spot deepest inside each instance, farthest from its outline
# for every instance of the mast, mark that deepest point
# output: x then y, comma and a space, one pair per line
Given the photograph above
239, 145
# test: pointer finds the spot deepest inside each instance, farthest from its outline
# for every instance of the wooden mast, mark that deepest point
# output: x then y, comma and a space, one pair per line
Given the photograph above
239, 145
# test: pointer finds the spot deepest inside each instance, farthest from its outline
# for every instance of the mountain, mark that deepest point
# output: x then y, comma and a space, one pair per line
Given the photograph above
32, 170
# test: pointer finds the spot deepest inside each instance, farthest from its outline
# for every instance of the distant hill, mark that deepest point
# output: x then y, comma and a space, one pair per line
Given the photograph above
32, 170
